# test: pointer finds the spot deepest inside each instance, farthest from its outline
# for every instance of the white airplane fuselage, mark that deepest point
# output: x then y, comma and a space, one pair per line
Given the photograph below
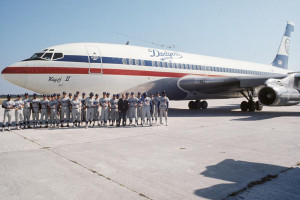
98, 67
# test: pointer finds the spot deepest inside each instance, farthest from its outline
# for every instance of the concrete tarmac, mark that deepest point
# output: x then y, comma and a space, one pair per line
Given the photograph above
202, 154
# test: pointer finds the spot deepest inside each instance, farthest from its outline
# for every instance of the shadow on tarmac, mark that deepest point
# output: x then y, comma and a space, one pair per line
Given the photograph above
241, 173
230, 111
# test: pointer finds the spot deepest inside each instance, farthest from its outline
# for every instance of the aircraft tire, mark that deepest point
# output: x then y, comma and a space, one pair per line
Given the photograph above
258, 106
192, 105
251, 106
204, 105
244, 106
198, 105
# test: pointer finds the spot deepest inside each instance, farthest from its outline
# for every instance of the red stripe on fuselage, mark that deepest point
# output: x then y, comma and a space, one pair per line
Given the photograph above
69, 70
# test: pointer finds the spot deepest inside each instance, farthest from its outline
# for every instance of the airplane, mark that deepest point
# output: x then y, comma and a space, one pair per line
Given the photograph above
119, 68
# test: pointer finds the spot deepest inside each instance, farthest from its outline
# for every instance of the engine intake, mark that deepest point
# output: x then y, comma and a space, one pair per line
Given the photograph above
278, 96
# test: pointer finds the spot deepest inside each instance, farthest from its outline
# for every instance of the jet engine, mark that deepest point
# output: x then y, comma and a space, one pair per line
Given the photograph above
282, 92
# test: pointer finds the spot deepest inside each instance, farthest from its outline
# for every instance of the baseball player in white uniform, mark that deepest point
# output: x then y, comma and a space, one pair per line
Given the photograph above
155, 105
146, 103
132, 101
96, 110
113, 106
53, 105
64, 109
44, 111
163, 104
19, 105
76, 111
27, 111
8, 106
35, 105
89, 104
104, 109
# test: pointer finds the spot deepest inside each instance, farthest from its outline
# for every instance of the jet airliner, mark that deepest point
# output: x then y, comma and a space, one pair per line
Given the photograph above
117, 68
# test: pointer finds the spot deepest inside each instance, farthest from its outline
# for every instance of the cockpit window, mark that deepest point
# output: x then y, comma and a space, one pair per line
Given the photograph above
47, 56
36, 56
57, 56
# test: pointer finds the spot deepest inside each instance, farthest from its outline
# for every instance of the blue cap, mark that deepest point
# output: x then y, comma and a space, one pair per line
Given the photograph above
44, 95
139, 93
19, 95
145, 94
114, 95
58, 95
34, 94
48, 95
156, 92
70, 94
83, 93
118, 95
132, 93
108, 93
127, 93
104, 92
75, 95
77, 92
163, 92
8, 95
92, 94
26, 94
96, 95
54, 95
64, 92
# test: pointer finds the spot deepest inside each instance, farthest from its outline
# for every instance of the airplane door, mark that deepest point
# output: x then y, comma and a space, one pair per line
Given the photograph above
95, 60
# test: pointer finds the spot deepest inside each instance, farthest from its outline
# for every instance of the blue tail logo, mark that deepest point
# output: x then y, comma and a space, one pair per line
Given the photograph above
282, 57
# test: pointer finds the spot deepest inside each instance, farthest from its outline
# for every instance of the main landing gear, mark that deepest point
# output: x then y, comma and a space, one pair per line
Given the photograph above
251, 105
198, 105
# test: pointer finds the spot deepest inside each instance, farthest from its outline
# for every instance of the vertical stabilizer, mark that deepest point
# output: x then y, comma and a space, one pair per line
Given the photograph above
282, 57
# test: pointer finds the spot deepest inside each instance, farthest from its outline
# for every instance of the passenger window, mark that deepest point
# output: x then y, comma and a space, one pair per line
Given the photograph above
153, 64
48, 56
58, 56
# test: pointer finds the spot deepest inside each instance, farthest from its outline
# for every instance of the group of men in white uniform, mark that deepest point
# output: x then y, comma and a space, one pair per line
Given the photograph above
54, 110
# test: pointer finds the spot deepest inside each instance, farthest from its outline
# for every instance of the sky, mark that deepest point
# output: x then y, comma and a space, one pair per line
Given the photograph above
243, 30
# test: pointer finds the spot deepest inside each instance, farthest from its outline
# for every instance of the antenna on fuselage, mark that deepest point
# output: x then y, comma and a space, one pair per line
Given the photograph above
172, 46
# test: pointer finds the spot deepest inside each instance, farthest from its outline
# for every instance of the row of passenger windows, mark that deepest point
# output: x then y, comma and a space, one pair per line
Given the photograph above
190, 67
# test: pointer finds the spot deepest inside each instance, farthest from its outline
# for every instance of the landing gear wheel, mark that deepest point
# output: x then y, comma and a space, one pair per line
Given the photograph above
204, 105
251, 106
244, 106
258, 106
192, 105
198, 104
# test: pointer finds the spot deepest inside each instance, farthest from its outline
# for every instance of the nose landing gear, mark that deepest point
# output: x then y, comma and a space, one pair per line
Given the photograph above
197, 105
251, 105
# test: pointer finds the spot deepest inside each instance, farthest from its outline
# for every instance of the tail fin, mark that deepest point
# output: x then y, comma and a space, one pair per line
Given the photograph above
282, 57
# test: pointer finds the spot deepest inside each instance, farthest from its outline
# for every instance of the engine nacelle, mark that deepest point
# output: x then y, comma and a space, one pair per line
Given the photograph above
276, 95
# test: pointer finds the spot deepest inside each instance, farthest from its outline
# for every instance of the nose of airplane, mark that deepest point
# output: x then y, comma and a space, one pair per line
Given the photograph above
13, 74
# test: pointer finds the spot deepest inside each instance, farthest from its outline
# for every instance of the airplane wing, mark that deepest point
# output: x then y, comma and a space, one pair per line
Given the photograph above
205, 84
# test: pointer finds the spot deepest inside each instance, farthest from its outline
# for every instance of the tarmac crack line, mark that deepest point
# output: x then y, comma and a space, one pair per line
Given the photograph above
81, 165
261, 181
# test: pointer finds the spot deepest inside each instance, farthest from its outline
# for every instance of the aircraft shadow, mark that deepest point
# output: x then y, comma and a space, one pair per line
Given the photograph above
241, 173
230, 111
